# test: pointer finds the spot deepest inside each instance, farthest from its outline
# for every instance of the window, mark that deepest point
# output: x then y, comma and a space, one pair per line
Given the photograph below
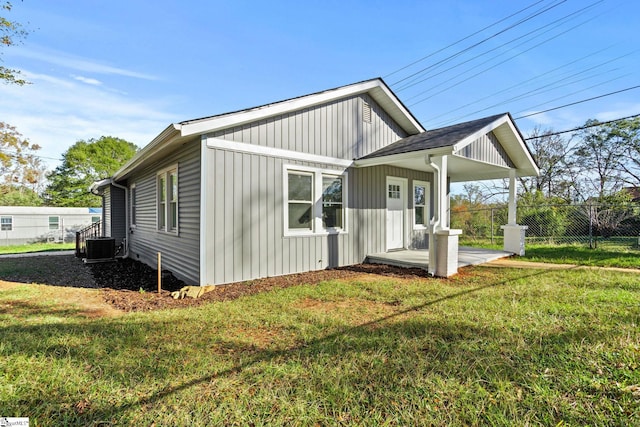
394, 191
6, 223
331, 201
173, 200
300, 200
54, 223
95, 219
132, 192
420, 203
315, 201
168, 201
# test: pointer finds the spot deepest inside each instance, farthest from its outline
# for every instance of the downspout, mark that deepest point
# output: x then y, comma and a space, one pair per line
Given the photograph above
126, 216
435, 220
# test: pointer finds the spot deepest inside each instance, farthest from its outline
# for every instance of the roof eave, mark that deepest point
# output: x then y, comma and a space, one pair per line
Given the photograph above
394, 158
377, 88
160, 142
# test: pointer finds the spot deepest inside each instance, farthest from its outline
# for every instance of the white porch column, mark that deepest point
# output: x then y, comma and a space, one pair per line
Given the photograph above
514, 234
443, 258
511, 219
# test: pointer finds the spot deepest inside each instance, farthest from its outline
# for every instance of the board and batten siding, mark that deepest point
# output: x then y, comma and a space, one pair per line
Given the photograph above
181, 251
334, 129
244, 236
487, 149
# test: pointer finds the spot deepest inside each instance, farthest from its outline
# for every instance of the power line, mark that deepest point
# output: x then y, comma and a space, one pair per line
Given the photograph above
500, 63
531, 80
583, 127
462, 39
554, 24
449, 58
578, 102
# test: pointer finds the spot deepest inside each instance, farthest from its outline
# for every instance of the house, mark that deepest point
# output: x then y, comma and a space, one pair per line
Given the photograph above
304, 184
29, 224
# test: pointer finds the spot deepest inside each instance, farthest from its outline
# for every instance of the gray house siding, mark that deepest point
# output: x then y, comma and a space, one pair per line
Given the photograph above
487, 149
244, 235
114, 213
106, 212
370, 206
335, 129
181, 251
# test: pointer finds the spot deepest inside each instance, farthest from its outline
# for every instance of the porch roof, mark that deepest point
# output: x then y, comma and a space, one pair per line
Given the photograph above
411, 152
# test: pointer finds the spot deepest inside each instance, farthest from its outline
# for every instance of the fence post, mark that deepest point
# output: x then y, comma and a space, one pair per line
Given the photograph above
492, 226
590, 226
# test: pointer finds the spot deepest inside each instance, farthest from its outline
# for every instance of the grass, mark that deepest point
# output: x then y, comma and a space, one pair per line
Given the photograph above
581, 255
488, 347
607, 254
36, 247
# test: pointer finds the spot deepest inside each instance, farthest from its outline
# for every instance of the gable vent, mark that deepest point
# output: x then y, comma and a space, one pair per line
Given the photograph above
366, 112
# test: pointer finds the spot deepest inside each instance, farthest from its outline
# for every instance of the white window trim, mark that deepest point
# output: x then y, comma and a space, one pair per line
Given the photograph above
11, 218
166, 172
316, 228
427, 204
132, 190
49, 222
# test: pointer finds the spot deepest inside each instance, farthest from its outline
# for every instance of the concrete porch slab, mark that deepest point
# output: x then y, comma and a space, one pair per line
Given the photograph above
420, 258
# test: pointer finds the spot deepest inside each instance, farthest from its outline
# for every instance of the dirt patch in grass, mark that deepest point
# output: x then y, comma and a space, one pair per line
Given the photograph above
128, 285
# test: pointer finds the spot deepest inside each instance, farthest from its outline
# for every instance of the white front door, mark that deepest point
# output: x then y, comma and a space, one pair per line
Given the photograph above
396, 206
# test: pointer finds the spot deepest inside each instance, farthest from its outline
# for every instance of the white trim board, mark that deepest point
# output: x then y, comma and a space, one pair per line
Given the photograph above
243, 147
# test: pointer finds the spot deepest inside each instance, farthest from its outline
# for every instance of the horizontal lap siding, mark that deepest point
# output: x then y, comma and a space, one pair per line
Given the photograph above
334, 129
180, 253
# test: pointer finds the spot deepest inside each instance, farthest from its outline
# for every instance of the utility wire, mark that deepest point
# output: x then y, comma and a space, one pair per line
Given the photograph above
554, 24
531, 80
583, 127
461, 40
500, 63
578, 102
449, 58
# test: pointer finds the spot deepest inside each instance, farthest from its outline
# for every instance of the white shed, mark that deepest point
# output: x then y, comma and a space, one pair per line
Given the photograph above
31, 224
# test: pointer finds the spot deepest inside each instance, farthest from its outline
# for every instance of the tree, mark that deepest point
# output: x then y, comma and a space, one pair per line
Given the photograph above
627, 133
84, 163
11, 33
21, 170
599, 156
10, 195
550, 153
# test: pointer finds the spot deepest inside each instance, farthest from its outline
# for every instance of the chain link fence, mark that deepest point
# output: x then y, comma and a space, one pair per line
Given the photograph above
592, 225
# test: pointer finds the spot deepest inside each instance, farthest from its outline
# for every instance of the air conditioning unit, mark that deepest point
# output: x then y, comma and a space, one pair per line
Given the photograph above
101, 248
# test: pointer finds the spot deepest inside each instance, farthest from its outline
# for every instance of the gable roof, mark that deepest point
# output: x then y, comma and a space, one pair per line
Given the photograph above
178, 133
410, 152
437, 138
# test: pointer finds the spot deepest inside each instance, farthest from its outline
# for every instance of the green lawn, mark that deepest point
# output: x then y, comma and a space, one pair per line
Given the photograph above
36, 247
492, 346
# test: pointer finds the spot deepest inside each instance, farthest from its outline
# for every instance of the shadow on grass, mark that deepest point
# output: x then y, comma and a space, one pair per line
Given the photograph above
584, 256
447, 348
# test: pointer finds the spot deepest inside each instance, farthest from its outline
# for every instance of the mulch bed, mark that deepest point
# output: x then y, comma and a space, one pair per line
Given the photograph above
130, 285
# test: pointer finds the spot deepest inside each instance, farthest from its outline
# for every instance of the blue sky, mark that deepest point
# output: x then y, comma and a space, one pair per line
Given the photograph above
129, 68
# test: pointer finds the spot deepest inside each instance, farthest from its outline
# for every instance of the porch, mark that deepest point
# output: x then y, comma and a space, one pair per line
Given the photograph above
420, 258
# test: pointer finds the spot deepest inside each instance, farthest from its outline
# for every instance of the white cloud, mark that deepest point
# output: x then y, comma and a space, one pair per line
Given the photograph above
87, 80
77, 63
56, 112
